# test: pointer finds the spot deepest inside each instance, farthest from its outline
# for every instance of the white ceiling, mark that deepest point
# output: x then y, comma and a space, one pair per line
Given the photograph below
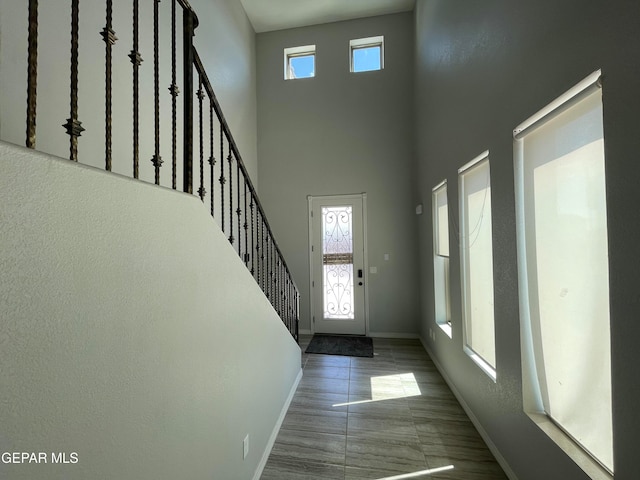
268, 15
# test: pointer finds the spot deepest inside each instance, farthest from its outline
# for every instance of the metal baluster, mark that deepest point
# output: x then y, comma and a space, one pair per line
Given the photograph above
258, 246
156, 160
136, 60
230, 159
265, 259
267, 285
276, 295
174, 91
189, 24
296, 318
285, 291
253, 246
222, 179
201, 191
109, 37
289, 303
292, 292
277, 284
212, 159
262, 251
270, 262
288, 300
281, 285
32, 74
272, 274
74, 126
270, 266
238, 210
276, 280
285, 297
247, 252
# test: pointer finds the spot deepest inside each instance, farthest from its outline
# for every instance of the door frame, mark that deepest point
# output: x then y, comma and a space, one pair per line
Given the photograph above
348, 197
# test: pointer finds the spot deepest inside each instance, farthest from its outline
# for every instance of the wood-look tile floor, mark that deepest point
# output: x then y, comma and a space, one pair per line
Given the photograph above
376, 418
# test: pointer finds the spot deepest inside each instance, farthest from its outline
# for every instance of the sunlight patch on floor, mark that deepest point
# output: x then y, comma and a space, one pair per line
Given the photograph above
389, 387
419, 474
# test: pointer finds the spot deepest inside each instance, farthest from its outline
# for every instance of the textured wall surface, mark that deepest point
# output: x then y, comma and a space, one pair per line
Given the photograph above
482, 68
342, 133
130, 332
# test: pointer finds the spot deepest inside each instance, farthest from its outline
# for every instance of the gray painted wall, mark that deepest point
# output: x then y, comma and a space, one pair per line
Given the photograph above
225, 41
342, 133
482, 68
130, 331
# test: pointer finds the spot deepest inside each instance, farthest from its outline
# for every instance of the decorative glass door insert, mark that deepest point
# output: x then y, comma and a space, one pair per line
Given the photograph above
337, 262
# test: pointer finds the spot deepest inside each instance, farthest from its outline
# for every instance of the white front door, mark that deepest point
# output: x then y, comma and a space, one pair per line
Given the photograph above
336, 226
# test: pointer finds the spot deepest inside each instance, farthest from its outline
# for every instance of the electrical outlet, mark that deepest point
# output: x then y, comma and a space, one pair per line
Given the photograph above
245, 447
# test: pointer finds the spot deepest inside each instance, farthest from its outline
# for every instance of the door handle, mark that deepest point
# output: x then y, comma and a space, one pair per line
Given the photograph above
359, 273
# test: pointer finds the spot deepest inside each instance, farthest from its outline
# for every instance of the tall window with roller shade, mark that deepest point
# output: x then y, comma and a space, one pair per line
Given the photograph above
440, 213
476, 257
564, 274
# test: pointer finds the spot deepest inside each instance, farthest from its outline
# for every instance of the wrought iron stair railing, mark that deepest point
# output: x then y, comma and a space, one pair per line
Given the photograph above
233, 200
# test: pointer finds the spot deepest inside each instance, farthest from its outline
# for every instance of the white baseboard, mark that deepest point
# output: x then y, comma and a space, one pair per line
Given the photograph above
483, 433
304, 331
393, 335
276, 429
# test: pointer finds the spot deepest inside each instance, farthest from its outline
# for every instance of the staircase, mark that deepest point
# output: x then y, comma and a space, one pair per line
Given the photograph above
153, 103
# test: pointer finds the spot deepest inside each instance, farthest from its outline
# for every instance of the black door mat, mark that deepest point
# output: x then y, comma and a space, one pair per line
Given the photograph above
341, 345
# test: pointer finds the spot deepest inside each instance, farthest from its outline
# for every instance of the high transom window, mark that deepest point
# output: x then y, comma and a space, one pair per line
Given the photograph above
367, 54
300, 62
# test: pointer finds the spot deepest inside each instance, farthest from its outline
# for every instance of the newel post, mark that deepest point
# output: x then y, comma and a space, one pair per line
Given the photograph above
190, 22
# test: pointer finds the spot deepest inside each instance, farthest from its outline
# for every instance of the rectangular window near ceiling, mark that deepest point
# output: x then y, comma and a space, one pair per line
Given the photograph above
441, 257
564, 274
300, 62
476, 256
367, 54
